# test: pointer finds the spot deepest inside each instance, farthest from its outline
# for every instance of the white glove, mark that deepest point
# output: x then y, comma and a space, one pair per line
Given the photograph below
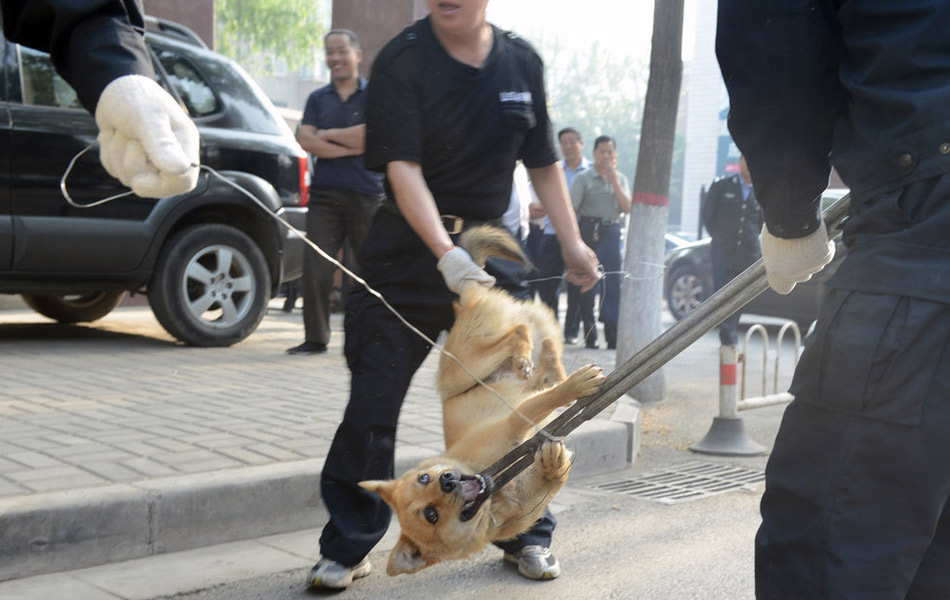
458, 269
788, 262
146, 140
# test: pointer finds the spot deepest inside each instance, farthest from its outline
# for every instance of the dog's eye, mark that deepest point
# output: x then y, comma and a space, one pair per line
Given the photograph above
431, 514
424, 479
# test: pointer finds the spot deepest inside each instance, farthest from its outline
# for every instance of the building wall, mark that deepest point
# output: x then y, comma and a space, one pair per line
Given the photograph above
375, 22
707, 97
198, 15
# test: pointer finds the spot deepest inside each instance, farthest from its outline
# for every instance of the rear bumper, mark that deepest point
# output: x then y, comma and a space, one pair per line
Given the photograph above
291, 267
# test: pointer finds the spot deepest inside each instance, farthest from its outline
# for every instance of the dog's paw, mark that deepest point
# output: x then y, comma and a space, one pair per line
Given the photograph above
585, 381
554, 459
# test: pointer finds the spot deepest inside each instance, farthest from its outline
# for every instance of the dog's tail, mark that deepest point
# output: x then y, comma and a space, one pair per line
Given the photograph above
485, 241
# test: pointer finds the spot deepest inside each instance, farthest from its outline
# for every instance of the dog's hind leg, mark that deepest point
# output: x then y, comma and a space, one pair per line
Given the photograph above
510, 351
514, 346
549, 369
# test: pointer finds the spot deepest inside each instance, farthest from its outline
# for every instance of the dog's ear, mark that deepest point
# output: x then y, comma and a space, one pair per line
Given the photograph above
406, 558
383, 488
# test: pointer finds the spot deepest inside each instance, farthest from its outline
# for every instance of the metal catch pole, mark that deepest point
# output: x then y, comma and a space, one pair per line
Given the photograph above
730, 298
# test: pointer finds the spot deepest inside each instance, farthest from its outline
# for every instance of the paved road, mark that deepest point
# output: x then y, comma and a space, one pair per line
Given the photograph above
610, 546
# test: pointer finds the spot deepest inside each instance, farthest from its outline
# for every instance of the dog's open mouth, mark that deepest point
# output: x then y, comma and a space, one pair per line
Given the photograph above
475, 490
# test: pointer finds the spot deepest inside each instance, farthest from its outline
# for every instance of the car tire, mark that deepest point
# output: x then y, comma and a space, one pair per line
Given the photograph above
75, 308
210, 286
685, 290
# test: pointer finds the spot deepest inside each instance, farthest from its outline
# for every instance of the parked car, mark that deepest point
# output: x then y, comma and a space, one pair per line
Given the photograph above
674, 241
209, 260
688, 281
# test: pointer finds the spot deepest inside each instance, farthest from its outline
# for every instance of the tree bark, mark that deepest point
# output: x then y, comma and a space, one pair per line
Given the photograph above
641, 294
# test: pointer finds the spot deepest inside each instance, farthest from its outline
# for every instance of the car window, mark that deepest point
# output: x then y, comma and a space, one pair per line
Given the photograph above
41, 85
191, 86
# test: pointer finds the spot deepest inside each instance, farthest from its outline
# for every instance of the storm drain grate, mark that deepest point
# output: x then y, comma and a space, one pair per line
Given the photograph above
689, 481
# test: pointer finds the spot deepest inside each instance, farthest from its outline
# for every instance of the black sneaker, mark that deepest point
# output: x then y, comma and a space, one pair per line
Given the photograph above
308, 348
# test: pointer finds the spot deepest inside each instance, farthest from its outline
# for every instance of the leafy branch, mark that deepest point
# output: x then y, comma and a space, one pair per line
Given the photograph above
260, 35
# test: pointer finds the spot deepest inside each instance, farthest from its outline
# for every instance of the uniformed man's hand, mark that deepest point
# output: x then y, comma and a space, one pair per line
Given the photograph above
792, 261
582, 265
458, 269
146, 140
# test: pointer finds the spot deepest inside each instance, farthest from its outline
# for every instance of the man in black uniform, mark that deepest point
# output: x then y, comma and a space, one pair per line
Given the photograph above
734, 220
857, 486
146, 140
453, 104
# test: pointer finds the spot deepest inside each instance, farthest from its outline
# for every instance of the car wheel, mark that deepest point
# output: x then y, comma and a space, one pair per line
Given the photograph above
75, 308
211, 285
685, 291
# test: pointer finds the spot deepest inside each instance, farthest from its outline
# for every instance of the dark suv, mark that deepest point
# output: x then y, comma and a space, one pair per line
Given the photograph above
209, 260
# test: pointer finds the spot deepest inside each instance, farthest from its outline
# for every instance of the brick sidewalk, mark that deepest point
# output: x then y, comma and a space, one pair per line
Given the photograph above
117, 442
119, 401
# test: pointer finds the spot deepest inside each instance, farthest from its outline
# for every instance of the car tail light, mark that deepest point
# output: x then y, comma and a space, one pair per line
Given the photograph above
304, 180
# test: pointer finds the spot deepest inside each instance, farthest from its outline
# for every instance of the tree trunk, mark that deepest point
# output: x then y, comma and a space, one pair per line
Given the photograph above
642, 291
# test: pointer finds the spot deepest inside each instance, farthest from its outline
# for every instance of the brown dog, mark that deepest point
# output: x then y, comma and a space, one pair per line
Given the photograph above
445, 509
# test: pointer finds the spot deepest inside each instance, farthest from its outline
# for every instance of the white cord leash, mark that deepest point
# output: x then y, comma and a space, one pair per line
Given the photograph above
322, 253
69, 169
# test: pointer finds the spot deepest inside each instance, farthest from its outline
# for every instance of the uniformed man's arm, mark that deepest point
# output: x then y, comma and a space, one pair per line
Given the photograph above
417, 205
621, 192
91, 42
145, 138
784, 100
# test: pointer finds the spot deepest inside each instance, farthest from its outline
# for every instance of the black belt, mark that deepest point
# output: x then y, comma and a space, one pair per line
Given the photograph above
453, 224
603, 222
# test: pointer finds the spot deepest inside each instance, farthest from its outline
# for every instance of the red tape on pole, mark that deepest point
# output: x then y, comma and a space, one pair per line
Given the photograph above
727, 374
651, 199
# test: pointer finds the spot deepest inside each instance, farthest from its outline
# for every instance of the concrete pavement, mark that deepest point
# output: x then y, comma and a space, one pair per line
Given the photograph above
118, 443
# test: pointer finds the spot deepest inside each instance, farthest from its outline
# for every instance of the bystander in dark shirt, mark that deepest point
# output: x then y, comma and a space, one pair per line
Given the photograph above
326, 110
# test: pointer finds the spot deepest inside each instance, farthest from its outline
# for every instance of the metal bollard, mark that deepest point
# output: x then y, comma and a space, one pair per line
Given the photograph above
727, 435
775, 397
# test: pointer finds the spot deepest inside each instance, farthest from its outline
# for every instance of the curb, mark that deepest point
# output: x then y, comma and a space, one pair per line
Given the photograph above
60, 531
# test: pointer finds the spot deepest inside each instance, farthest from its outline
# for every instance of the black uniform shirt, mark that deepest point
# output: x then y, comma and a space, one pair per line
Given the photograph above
91, 42
465, 126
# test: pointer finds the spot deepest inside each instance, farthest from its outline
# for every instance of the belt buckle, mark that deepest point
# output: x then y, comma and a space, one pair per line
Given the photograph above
453, 224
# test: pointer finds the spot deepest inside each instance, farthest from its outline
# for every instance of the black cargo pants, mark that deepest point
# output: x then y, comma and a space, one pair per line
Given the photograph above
383, 354
857, 487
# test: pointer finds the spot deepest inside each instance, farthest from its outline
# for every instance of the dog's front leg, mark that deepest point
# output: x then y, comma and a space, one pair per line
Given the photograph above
530, 413
522, 504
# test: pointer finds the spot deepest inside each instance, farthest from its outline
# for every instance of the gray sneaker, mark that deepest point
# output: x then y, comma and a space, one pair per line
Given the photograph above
331, 575
535, 562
